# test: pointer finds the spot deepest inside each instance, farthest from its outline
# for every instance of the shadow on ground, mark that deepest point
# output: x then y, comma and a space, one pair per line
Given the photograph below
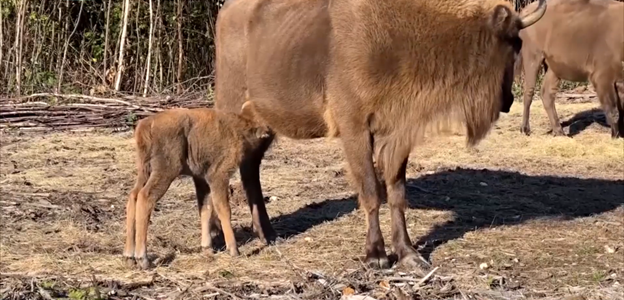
478, 199
582, 120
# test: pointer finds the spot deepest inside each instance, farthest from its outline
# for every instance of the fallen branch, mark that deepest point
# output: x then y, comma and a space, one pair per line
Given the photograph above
86, 112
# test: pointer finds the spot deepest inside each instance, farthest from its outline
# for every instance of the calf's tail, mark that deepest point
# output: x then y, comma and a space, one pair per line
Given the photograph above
143, 139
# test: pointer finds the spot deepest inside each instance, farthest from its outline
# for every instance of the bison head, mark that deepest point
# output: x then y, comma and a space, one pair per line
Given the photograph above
507, 24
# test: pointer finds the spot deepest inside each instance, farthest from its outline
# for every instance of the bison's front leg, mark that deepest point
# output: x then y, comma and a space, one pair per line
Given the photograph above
357, 145
394, 178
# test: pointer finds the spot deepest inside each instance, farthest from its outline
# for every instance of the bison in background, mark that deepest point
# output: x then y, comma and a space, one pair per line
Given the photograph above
376, 74
576, 40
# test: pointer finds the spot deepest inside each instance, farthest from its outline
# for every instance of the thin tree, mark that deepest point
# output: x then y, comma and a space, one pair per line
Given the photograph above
60, 80
124, 26
108, 9
149, 49
1, 36
19, 24
180, 47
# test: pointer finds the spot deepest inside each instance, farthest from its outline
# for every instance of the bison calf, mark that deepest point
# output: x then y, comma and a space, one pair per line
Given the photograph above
203, 143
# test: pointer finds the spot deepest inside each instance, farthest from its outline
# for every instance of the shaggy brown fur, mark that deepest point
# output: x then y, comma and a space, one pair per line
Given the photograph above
378, 74
589, 46
203, 143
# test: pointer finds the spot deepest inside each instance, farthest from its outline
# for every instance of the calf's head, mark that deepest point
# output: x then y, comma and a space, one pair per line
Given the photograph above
506, 24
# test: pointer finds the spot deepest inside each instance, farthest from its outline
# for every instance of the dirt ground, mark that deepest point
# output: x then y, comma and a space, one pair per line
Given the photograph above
519, 217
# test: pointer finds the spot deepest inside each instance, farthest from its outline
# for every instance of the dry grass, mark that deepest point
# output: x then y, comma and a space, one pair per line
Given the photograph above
538, 210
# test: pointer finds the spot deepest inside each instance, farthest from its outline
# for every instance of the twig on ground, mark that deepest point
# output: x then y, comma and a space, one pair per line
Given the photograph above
142, 296
43, 293
428, 276
218, 290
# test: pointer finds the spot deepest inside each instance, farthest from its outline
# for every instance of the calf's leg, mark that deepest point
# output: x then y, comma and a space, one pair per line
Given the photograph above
206, 212
220, 201
130, 215
250, 178
154, 189
549, 91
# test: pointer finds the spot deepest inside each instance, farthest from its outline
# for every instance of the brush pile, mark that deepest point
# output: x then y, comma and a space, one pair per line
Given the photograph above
42, 112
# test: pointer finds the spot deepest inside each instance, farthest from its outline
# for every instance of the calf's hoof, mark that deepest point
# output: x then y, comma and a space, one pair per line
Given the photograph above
234, 252
129, 261
144, 264
207, 250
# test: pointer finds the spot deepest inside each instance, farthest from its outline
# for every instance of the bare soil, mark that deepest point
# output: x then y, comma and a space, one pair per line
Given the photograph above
518, 217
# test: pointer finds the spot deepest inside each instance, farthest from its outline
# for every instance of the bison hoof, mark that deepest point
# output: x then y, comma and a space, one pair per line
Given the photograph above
268, 237
526, 130
145, 264
558, 132
415, 262
379, 261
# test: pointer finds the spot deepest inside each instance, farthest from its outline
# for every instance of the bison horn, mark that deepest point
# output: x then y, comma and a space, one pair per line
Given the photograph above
534, 16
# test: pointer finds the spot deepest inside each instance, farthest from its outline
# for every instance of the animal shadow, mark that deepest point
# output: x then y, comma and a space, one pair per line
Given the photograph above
295, 223
478, 199
488, 198
580, 121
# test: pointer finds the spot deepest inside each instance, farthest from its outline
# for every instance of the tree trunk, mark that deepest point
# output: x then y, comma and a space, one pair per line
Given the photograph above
124, 27
149, 50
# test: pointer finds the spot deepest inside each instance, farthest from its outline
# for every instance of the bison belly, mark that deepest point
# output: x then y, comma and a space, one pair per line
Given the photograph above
282, 61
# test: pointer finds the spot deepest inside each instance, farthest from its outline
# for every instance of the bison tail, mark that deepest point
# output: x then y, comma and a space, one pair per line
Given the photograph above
143, 139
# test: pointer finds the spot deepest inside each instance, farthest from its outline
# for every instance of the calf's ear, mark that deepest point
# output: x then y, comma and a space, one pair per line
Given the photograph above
504, 21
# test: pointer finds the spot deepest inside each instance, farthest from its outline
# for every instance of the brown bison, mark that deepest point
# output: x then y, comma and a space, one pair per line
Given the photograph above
203, 143
576, 40
375, 73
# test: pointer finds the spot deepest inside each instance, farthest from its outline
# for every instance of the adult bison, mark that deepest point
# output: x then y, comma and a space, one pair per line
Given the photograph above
576, 40
374, 73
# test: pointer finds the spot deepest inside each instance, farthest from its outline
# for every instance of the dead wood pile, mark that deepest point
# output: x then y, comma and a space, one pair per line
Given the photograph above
41, 112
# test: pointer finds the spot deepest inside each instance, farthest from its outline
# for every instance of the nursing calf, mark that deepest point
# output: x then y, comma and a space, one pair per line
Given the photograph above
203, 143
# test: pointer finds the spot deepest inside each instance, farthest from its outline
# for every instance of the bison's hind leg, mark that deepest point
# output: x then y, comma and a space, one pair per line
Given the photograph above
608, 92
395, 156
